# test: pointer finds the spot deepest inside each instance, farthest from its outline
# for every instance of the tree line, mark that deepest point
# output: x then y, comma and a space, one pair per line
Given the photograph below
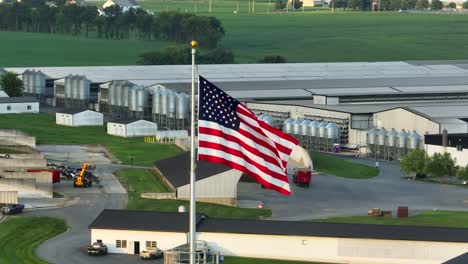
113, 23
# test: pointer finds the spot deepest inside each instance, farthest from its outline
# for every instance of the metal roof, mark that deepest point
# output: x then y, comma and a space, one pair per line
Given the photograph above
23, 99
3, 94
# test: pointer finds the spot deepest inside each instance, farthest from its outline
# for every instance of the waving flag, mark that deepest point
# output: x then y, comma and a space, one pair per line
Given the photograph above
230, 134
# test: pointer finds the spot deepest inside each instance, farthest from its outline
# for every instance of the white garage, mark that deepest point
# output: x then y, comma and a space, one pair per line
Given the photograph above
17, 105
76, 118
132, 128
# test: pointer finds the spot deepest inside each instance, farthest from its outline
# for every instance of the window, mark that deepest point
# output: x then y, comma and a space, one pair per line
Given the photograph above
121, 243
8, 107
151, 244
29, 107
99, 240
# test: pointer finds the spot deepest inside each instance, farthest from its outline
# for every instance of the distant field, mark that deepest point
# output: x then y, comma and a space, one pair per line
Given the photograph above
311, 36
43, 127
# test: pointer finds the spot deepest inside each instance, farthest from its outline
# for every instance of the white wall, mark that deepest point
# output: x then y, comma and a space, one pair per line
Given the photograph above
403, 119
223, 185
63, 119
461, 157
16, 108
116, 129
141, 128
165, 240
88, 118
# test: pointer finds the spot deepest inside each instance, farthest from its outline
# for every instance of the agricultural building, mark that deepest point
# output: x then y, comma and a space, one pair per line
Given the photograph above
216, 183
18, 105
128, 232
3, 94
76, 118
125, 5
454, 144
131, 128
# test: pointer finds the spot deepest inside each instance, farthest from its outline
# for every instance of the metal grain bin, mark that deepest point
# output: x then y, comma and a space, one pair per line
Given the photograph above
142, 99
305, 127
68, 87
414, 140
118, 93
126, 93
392, 138
268, 119
323, 129
75, 83
172, 100
83, 88
110, 93
40, 82
297, 126
26, 81
332, 131
182, 106
313, 128
381, 136
402, 139
371, 135
133, 100
164, 102
287, 125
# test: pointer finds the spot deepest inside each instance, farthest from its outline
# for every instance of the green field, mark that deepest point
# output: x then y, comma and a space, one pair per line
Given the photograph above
337, 166
20, 236
425, 218
10, 151
138, 181
238, 260
299, 36
129, 151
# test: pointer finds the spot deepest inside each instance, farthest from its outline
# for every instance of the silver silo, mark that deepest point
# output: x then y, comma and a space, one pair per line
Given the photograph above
371, 135
323, 129
68, 87
297, 126
110, 93
414, 140
40, 82
392, 138
182, 106
287, 125
133, 98
268, 119
26, 81
75, 84
332, 131
126, 90
83, 88
142, 99
33, 81
402, 139
157, 101
313, 128
118, 93
172, 101
305, 128
164, 102
381, 136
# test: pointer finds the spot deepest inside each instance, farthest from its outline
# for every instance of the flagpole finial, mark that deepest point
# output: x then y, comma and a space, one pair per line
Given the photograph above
194, 44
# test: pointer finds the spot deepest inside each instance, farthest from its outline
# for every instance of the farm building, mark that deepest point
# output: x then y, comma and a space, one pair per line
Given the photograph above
18, 105
216, 183
454, 144
131, 128
76, 118
3, 94
128, 232
124, 4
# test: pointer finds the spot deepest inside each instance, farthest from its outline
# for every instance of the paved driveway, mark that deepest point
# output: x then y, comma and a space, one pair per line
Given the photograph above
334, 196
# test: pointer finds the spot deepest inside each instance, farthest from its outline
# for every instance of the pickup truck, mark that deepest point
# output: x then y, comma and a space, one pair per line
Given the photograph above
9, 209
97, 248
151, 253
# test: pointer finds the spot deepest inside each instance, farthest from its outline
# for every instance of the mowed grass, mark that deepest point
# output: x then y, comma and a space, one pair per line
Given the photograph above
337, 166
314, 36
128, 150
21, 235
240, 260
10, 151
137, 181
425, 218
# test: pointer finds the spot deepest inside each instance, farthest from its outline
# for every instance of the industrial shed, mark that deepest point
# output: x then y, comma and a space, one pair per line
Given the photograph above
216, 183
18, 105
127, 232
131, 128
76, 118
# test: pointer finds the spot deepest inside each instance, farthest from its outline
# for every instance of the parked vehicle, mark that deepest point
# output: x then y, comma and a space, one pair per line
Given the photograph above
55, 174
97, 248
151, 253
9, 209
302, 177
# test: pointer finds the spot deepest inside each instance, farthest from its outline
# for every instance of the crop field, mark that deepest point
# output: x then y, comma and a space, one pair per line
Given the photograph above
312, 36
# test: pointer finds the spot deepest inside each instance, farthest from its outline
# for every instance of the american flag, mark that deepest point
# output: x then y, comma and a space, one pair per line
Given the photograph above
230, 134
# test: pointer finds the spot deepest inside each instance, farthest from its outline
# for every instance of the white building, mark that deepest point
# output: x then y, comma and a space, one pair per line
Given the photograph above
3, 94
18, 105
128, 232
455, 144
132, 128
124, 4
76, 118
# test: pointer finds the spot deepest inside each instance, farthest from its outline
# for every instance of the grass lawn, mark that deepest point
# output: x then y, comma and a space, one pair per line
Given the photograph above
43, 127
337, 166
10, 151
138, 181
425, 218
317, 36
239, 260
21, 235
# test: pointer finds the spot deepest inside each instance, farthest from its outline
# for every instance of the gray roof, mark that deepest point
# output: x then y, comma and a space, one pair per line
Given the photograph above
177, 169
178, 222
22, 99
72, 111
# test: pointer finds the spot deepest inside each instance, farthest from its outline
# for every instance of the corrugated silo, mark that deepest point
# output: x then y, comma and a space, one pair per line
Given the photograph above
40, 82
182, 106
297, 126
323, 129
133, 98
313, 128
172, 104
414, 140
268, 119
305, 127
26, 81
332, 131
142, 100
287, 125
402, 139
381, 137
164, 102
68, 87
391, 138
83, 88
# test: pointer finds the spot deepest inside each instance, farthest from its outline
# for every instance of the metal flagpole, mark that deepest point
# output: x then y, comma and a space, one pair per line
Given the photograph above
192, 164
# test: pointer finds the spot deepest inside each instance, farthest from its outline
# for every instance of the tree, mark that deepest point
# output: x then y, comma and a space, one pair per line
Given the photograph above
452, 5
465, 5
338, 4
436, 5
296, 4
217, 56
422, 4
440, 165
408, 4
273, 59
11, 84
462, 173
280, 4
414, 163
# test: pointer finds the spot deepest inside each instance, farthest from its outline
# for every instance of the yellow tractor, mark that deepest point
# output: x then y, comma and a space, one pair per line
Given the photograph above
83, 180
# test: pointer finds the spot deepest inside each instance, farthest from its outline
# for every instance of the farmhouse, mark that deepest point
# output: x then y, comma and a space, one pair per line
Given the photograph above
128, 232
17, 105
131, 128
76, 118
124, 4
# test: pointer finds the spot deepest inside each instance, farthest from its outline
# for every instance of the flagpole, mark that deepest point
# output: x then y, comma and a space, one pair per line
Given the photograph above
192, 163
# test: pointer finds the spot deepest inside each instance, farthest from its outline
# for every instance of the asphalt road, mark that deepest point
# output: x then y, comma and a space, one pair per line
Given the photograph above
330, 196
